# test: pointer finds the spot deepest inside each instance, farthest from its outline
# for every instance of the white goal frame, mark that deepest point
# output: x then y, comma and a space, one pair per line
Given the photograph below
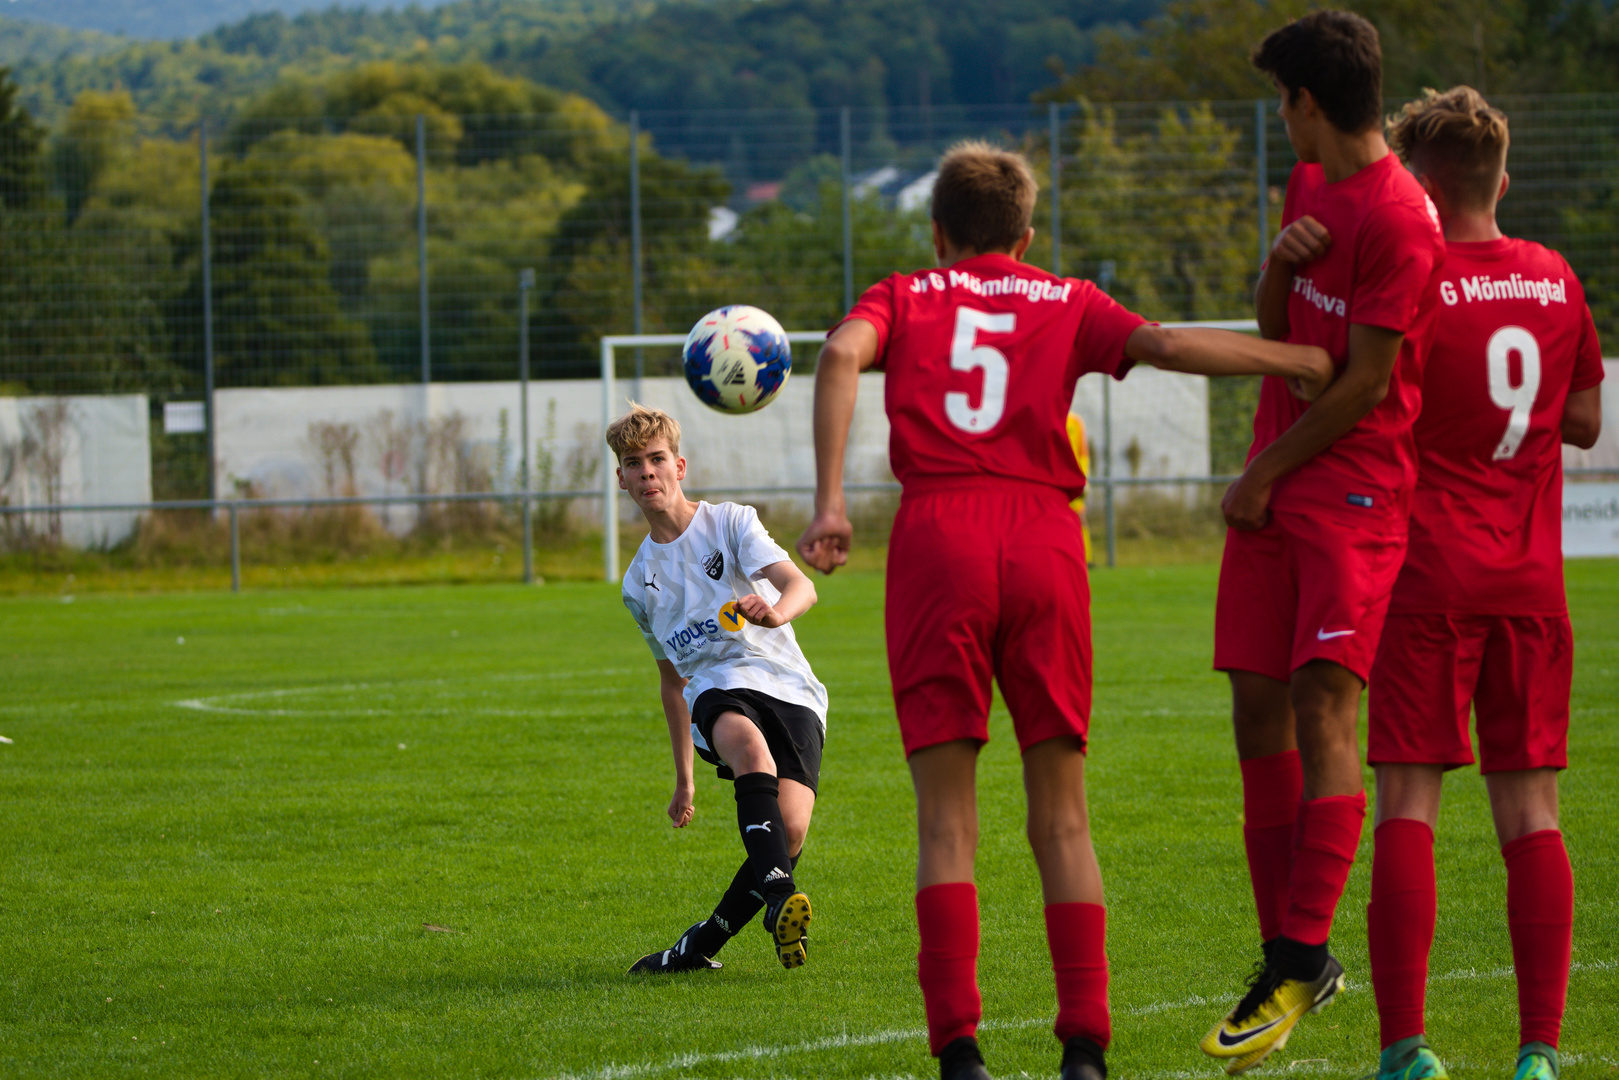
610, 345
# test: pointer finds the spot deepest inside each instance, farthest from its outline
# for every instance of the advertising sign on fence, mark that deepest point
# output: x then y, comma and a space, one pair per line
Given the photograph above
1590, 520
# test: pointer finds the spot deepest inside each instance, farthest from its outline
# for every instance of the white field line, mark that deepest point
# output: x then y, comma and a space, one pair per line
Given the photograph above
218, 703
882, 1038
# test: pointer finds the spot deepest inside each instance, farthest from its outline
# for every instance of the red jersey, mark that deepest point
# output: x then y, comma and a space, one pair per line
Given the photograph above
1381, 269
1515, 338
981, 360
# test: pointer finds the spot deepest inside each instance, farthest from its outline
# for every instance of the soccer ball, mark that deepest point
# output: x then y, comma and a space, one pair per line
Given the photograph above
737, 359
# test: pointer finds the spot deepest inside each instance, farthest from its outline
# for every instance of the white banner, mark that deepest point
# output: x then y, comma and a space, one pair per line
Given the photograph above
1590, 520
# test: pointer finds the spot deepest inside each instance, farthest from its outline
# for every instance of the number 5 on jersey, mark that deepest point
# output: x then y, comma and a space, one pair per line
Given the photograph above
967, 355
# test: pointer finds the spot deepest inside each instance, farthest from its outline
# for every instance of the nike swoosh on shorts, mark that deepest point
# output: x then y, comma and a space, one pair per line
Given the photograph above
1324, 634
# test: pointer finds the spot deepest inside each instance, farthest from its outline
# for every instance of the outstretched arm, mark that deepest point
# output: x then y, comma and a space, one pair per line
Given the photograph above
1363, 383
679, 720
797, 597
851, 349
1307, 369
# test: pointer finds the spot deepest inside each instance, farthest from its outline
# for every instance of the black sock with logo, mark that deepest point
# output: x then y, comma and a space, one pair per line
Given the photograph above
735, 910
758, 816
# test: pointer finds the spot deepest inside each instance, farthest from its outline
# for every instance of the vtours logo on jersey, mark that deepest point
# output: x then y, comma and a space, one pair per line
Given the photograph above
714, 565
1010, 285
1332, 305
691, 637
1517, 287
731, 617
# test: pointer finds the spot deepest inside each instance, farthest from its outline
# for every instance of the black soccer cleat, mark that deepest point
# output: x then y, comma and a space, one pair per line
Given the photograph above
960, 1060
787, 920
675, 959
1082, 1060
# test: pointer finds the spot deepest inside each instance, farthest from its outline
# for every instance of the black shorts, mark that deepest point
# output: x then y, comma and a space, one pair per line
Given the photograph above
792, 732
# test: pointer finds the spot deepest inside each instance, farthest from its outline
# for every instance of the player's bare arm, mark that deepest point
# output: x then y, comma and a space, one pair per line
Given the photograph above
1307, 368
670, 685
1363, 383
1582, 417
797, 597
851, 349
1305, 240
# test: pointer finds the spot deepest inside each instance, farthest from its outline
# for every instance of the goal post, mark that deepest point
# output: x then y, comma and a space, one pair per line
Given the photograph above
611, 343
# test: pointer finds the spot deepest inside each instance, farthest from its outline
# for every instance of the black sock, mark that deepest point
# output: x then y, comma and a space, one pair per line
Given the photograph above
735, 910
1296, 960
758, 816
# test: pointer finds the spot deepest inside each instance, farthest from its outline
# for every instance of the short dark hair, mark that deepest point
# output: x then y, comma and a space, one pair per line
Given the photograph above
1336, 56
983, 197
1458, 140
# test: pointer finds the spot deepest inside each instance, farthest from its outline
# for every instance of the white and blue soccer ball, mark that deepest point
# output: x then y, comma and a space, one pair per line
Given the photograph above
737, 359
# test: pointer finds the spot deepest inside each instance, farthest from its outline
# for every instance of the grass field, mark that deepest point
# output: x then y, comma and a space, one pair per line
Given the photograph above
420, 833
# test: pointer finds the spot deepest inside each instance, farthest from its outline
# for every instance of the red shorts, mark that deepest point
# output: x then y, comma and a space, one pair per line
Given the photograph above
1304, 588
986, 577
1515, 670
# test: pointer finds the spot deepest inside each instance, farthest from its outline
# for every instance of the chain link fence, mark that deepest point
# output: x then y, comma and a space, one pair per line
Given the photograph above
312, 251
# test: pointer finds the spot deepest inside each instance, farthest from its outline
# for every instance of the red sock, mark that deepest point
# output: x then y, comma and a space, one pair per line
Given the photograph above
1324, 846
1271, 789
947, 964
1540, 917
1077, 934
1399, 924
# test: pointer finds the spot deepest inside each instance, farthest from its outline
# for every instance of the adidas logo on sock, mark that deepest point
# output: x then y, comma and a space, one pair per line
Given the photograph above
722, 924
776, 874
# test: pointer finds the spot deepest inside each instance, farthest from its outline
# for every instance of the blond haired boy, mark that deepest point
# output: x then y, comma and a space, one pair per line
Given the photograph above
714, 596
1478, 615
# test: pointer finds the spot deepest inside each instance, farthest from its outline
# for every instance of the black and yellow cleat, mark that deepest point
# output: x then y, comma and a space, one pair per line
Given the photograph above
787, 919
1267, 1014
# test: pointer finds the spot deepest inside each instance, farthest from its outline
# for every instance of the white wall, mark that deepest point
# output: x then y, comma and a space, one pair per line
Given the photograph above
264, 435
105, 455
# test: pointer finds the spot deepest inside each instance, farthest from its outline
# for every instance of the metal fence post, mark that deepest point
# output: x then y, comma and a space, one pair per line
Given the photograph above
525, 284
609, 477
421, 246
1056, 192
207, 303
235, 553
848, 221
635, 240
1263, 170
1104, 278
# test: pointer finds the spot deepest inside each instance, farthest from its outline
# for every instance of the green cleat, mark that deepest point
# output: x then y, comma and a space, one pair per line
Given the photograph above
1409, 1059
1537, 1061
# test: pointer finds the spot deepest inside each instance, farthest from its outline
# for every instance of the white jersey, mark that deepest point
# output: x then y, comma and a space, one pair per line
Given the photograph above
676, 592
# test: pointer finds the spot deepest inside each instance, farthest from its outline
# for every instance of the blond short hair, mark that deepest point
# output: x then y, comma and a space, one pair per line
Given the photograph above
983, 197
1457, 140
638, 427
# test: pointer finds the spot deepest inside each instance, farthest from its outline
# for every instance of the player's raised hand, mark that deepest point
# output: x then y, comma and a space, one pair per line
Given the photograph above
757, 610
1303, 241
1308, 387
825, 544
1246, 505
680, 807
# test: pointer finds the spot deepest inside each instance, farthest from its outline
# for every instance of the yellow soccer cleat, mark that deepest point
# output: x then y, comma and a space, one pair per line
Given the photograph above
1267, 1014
787, 918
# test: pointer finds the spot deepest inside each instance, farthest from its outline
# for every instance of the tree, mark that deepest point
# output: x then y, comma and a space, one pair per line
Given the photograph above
277, 319
587, 287
96, 135
21, 140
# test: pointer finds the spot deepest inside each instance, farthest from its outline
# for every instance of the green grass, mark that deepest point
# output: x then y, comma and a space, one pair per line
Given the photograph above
244, 888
